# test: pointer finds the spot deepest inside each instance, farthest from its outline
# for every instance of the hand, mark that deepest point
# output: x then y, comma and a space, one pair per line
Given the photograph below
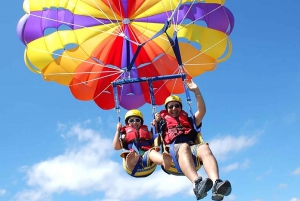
123, 136
192, 86
156, 119
157, 116
119, 126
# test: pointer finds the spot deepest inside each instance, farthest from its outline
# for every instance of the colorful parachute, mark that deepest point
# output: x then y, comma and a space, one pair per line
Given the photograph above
88, 44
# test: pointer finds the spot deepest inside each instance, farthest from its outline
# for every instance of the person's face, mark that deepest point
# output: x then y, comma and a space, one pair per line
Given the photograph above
135, 122
174, 108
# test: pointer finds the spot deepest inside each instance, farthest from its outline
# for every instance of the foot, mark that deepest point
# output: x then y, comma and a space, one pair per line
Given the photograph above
220, 189
167, 159
131, 160
201, 187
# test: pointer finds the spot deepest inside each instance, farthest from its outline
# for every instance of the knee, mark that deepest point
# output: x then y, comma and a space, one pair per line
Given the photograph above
204, 149
184, 148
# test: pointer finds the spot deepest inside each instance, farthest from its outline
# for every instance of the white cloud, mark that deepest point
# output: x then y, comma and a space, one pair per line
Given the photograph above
2, 192
100, 121
87, 168
87, 121
296, 172
291, 118
61, 127
265, 174
222, 147
231, 197
295, 199
33, 195
245, 164
236, 165
231, 167
282, 186
108, 200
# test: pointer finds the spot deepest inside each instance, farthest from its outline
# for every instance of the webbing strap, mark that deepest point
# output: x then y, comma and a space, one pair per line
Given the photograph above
116, 98
189, 102
173, 41
138, 164
153, 104
160, 32
172, 153
175, 46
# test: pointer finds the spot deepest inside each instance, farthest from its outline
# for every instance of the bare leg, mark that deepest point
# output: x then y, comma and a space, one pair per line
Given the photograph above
161, 159
167, 159
131, 160
186, 162
209, 162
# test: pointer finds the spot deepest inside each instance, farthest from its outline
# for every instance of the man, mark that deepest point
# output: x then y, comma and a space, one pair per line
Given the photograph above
178, 127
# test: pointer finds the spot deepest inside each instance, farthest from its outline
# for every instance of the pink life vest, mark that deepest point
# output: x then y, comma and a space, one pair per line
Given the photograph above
175, 125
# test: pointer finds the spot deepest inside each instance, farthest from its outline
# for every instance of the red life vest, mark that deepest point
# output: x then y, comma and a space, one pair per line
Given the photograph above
140, 136
175, 125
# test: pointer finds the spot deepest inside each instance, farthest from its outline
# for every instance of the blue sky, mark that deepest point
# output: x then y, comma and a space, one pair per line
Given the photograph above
56, 148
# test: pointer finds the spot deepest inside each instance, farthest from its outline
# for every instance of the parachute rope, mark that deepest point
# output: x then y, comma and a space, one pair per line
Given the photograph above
206, 50
105, 89
113, 14
175, 10
73, 58
92, 80
122, 33
72, 24
93, 16
185, 25
184, 17
165, 81
72, 43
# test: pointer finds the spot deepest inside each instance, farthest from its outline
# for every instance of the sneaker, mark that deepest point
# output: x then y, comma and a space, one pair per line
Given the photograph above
201, 187
220, 189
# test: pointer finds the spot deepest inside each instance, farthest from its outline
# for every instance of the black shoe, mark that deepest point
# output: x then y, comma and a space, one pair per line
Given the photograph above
201, 187
221, 189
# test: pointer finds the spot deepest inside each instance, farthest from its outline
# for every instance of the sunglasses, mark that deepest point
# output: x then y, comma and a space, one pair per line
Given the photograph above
176, 106
135, 120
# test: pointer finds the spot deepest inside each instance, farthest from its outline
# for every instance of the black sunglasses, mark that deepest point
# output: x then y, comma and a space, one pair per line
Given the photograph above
176, 106
135, 120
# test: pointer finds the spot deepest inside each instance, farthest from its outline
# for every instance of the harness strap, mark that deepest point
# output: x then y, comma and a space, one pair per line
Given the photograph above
172, 153
145, 159
153, 104
189, 101
160, 32
138, 164
137, 143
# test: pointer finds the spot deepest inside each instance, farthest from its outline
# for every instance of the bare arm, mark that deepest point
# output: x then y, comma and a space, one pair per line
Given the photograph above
200, 101
116, 141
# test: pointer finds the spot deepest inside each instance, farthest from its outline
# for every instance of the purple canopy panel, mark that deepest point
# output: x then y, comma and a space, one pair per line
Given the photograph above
214, 15
32, 29
20, 27
133, 90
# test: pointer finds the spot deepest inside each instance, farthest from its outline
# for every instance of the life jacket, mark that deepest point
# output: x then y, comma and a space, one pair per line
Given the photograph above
175, 125
141, 137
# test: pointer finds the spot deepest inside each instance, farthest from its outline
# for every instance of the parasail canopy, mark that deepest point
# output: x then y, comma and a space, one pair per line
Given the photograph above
88, 44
